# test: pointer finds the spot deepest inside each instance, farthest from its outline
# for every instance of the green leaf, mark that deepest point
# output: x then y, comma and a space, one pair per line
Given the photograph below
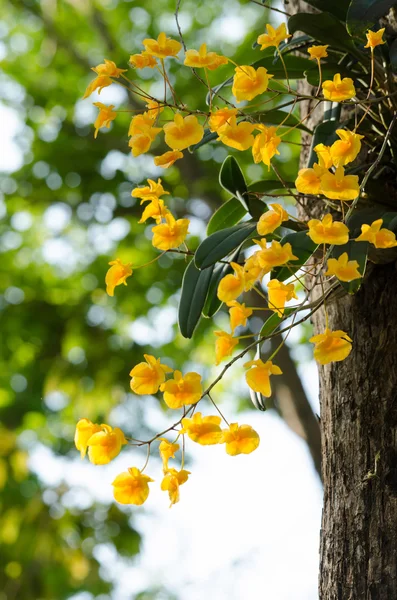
269, 185
324, 133
275, 117
227, 215
292, 44
208, 136
232, 179
390, 221
195, 286
364, 14
336, 7
256, 207
296, 65
323, 28
212, 303
232, 212
221, 243
356, 251
302, 247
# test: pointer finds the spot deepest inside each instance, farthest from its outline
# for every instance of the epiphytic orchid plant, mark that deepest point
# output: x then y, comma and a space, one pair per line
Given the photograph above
254, 245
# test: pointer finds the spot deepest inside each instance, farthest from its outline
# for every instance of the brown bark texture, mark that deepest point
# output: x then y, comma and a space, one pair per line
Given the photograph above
358, 397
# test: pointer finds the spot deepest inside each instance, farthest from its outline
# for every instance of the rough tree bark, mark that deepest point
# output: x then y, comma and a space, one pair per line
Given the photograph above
358, 422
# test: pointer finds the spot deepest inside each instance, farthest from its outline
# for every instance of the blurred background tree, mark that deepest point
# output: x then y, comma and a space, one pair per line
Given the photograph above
66, 210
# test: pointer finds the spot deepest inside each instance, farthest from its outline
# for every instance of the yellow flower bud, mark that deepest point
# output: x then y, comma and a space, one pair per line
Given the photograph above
171, 482
84, 430
117, 275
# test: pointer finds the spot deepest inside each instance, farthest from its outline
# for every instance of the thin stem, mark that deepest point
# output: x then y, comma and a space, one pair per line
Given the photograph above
151, 261
147, 457
369, 90
282, 12
285, 68
209, 87
320, 73
216, 407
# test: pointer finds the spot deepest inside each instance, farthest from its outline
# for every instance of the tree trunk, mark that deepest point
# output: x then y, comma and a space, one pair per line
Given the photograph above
359, 421
358, 399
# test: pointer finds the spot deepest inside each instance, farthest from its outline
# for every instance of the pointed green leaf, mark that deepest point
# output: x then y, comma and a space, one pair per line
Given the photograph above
232, 179
256, 207
292, 44
324, 28
269, 185
227, 215
390, 221
356, 251
195, 286
212, 303
336, 7
232, 212
302, 247
364, 14
221, 243
296, 65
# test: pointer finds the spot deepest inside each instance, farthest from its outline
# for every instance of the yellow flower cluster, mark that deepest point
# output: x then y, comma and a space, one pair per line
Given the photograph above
239, 135
207, 431
179, 129
255, 267
333, 185
104, 443
182, 131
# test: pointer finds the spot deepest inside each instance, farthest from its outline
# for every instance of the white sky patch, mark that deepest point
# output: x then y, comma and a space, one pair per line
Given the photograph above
10, 155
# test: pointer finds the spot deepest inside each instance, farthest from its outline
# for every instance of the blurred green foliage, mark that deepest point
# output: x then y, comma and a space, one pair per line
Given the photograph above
67, 347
